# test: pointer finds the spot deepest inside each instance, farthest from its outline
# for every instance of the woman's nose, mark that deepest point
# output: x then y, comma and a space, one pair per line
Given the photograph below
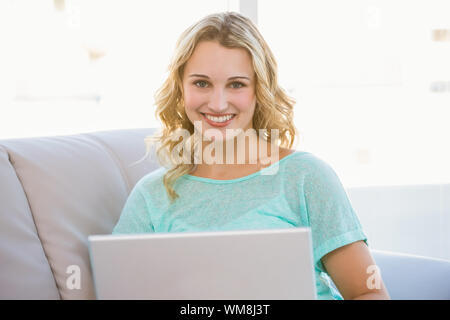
218, 102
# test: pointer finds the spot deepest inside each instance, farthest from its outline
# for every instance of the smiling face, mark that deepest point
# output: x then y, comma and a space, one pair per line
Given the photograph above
219, 89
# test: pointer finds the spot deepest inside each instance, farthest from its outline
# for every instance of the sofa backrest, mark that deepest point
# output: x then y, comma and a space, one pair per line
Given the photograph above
54, 193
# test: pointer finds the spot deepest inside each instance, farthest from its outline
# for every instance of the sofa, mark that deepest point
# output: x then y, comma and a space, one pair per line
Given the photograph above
56, 191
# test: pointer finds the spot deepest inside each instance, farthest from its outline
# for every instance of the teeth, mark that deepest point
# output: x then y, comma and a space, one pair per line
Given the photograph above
219, 119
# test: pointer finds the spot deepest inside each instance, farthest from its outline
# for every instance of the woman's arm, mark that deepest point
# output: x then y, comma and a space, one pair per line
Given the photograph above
354, 272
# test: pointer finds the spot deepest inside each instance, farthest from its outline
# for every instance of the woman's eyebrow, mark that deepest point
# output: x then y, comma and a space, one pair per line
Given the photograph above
205, 76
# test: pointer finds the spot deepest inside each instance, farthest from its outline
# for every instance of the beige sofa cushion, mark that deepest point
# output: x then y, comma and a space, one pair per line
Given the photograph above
25, 273
76, 186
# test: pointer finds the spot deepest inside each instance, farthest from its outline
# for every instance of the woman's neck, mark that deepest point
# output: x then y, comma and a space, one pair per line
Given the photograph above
232, 159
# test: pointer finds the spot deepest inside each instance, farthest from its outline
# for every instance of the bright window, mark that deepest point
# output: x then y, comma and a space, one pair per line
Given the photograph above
79, 66
372, 83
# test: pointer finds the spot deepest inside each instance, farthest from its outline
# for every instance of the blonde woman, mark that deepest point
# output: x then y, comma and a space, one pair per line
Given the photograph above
221, 90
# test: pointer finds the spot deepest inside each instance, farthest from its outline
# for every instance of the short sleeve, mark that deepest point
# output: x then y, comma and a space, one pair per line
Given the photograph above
332, 219
135, 216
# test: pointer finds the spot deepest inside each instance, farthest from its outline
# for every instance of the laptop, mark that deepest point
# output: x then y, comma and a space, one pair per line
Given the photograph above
269, 264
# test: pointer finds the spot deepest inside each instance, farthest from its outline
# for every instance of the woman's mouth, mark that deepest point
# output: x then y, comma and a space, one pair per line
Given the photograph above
221, 121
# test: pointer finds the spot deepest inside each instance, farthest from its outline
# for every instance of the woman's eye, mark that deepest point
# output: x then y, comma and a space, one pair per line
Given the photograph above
201, 81
202, 84
238, 83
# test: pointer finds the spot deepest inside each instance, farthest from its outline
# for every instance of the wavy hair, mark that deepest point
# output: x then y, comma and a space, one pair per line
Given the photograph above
273, 110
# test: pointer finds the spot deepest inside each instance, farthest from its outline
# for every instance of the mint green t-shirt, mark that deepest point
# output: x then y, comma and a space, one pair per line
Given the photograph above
300, 190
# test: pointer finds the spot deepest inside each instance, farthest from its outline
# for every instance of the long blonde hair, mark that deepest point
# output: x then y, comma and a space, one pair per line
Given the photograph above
273, 110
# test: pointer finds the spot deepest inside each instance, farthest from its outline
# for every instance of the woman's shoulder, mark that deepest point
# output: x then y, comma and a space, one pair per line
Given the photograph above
151, 180
297, 156
305, 162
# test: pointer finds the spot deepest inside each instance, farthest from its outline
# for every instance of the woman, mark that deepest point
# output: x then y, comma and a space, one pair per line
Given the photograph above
222, 89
